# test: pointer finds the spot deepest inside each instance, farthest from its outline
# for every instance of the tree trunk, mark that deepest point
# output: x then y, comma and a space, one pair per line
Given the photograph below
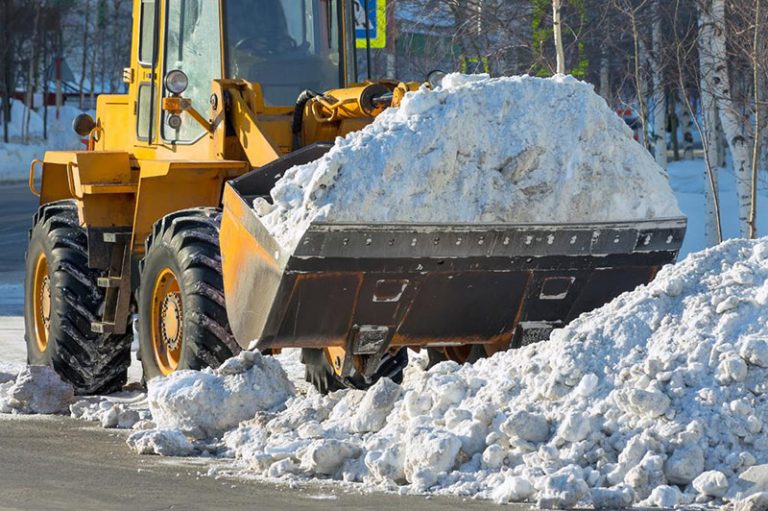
31, 73
558, 32
734, 124
84, 56
605, 78
659, 92
641, 81
756, 139
708, 129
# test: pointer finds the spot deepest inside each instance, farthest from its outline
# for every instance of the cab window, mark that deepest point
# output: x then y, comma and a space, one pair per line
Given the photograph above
192, 45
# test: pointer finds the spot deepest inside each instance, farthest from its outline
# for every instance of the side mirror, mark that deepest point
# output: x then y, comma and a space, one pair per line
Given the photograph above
83, 124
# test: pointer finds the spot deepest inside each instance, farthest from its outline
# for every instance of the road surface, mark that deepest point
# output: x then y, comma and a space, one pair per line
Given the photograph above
58, 463
17, 205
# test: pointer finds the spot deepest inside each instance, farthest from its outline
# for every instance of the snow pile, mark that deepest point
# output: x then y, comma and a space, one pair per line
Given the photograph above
655, 399
15, 157
36, 390
478, 150
207, 403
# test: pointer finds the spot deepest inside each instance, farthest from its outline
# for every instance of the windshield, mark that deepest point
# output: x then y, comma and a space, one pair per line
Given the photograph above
287, 46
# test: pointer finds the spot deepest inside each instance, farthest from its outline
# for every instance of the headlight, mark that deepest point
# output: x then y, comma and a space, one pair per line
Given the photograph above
174, 121
176, 81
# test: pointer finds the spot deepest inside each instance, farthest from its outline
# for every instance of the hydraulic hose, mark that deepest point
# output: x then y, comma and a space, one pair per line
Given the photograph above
298, 116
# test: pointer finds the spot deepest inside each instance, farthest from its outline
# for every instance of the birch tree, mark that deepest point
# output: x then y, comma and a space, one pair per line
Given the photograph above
558, 33
656, 61
735, 125
708, 126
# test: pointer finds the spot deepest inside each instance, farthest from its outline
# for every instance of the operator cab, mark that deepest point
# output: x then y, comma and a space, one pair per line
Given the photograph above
287, 46
284, 46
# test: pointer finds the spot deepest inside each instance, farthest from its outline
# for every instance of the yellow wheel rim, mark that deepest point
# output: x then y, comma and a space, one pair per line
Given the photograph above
41, 299
167, 321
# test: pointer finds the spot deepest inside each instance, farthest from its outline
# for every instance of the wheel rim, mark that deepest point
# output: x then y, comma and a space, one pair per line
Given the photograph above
41, 291
167, 321
458, 354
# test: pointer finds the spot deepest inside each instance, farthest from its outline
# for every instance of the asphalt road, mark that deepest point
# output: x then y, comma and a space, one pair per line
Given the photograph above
57, 463
17, 205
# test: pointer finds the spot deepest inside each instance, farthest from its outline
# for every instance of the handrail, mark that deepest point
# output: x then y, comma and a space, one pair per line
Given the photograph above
32, 177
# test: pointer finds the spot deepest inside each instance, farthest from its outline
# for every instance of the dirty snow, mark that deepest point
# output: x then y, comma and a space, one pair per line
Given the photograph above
654, 399
36, 390
209, 402
479, 150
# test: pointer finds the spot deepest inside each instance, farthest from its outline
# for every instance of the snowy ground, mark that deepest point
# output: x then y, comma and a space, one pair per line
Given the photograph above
687, 180
15, 157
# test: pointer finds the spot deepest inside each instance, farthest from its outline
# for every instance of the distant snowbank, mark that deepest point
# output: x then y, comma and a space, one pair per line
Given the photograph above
479, 150
688, 183
15, 157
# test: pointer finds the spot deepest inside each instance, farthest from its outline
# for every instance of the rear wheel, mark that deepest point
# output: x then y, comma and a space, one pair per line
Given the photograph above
319, 371
182, 314
468, 354
62, 300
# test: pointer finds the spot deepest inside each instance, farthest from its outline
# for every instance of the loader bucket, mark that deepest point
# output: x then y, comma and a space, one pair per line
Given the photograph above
366, 286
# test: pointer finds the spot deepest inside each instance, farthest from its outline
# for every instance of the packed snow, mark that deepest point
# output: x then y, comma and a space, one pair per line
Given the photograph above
35, 390
655, 399
209, 402
478, 150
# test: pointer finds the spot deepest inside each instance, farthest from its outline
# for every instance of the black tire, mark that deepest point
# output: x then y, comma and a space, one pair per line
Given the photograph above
186, 243
319, 372
93, 363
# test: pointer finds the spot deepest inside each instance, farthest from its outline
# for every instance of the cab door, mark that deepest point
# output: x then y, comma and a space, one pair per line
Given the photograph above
148, 79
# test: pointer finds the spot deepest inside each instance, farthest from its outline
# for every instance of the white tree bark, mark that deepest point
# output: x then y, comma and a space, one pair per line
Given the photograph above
659, 92
605, 78
642, 87
735, 126
708, 122
558, 30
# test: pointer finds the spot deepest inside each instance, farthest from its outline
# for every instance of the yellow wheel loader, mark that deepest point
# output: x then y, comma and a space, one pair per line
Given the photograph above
154, 220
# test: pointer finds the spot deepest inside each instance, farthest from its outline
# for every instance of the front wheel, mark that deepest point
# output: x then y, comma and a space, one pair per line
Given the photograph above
182, 314
62, 299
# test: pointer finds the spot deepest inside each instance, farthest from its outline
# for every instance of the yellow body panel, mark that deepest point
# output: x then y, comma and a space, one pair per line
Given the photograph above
168, 186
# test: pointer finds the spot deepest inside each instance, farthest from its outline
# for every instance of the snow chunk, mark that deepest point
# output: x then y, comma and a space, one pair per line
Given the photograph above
376, 406
564, 489
513, 489
108, 413
754, 351
685, 464
712, 483
36, 390
618, 497
210, 402
528, 426
165, 442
